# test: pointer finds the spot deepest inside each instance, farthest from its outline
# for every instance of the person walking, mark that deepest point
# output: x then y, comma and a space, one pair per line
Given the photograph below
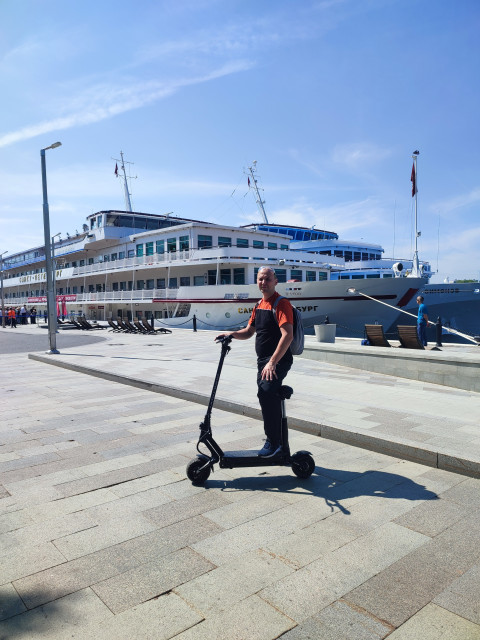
12, 318
23, 314
274, 333
33, 316
422, 321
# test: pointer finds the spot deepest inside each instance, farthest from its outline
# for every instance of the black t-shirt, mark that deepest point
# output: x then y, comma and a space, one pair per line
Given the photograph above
267, 329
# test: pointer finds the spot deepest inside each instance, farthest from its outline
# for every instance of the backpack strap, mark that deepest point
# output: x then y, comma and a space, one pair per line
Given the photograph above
274, 306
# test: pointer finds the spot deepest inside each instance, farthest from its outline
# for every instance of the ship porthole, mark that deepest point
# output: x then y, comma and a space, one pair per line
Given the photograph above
208, 315
227, 315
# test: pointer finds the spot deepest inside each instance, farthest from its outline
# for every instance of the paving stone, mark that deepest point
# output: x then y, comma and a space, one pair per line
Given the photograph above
184, 508
58, 619
159, 575
222, 588
466, 493
25, 560
340, 621
435, 623
10, 602
462, 596
14, 520
433, 517
250, 619
320, 583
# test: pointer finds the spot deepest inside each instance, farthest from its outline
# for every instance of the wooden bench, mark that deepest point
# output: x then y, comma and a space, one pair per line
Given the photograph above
407, 334
376, 336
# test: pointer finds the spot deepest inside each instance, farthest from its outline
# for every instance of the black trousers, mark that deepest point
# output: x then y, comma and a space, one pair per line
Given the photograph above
270, 401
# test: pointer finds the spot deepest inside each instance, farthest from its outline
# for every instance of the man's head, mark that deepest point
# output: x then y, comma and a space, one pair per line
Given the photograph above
419, 299
267, 281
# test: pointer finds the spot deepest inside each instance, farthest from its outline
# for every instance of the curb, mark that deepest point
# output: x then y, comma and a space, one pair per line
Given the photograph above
395, 447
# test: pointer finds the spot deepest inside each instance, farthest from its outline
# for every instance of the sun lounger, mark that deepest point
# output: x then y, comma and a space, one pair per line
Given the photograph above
152, 329
376, 336
407, 334
140, 328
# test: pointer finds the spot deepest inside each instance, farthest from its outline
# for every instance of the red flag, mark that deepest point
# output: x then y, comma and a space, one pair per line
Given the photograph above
248, 181
413, 178
116, 169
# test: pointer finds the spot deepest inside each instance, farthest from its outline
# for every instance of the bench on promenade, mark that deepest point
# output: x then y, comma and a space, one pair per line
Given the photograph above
407, 334
376, 336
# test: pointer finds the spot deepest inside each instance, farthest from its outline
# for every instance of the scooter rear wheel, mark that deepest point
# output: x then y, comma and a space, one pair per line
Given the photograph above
303, 465
197, 472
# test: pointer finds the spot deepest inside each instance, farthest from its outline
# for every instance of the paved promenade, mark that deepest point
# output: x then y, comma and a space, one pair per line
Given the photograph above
102, 536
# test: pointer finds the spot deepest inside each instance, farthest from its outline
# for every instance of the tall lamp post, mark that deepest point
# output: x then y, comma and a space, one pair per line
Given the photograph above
51, 311
1, 281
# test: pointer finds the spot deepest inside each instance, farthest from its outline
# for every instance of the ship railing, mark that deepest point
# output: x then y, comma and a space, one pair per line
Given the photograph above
126, 264
133, 295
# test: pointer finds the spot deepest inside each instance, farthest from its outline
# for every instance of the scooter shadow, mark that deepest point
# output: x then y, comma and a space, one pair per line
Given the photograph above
332, 485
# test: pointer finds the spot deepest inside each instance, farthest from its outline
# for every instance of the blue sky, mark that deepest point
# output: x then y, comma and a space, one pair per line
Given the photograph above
330, 97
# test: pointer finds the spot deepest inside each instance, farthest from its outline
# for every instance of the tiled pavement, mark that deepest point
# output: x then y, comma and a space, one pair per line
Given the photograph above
102, 536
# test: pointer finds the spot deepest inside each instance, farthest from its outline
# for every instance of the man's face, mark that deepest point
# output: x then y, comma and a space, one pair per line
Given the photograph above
266, 282
419, 301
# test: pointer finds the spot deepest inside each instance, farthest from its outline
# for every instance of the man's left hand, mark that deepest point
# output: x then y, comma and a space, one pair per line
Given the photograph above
268, 371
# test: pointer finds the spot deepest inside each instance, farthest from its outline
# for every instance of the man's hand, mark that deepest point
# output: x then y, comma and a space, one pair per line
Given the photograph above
268, 371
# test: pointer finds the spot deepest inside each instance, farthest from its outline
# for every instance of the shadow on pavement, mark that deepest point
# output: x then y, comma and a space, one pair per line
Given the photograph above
333, 486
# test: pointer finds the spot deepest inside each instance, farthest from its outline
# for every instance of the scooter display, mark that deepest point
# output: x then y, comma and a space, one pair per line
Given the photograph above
199, 468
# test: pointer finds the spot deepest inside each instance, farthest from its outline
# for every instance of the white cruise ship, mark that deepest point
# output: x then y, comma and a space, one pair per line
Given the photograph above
171, 270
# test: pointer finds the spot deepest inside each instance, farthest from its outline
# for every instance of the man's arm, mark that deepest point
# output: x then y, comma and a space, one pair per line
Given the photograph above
241, 334
286, 331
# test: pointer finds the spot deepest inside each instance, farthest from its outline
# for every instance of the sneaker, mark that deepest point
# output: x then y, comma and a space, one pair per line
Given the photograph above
269, 450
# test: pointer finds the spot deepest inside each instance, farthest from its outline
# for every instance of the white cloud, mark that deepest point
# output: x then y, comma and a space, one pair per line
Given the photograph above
359, 155
103, 102
445, 207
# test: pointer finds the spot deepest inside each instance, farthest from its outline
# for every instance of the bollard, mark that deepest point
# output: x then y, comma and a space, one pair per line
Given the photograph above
194, 322
438, 332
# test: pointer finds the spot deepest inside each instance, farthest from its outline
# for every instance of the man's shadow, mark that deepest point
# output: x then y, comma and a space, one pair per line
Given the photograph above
333, 485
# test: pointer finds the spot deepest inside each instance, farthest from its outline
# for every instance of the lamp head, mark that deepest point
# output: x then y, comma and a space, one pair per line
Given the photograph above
352, 291
53, 146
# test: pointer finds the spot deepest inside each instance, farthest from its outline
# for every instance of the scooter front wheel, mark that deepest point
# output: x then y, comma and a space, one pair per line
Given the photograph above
303, 465
198, 470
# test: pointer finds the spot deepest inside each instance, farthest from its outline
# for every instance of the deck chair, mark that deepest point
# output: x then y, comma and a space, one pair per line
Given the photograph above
77, 324
87, 325
115, 328
152, 329
141, 329
130, 326
123, 326
376, 336
407, 334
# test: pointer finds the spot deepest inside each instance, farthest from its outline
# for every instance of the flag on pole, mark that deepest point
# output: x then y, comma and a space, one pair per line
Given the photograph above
116, 169
413, 178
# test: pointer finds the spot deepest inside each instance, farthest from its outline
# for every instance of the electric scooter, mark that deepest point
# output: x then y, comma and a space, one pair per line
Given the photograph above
199, 468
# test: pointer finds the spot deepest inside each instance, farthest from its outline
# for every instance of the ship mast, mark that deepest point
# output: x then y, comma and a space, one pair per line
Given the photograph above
127, 194
254, 184
416, 273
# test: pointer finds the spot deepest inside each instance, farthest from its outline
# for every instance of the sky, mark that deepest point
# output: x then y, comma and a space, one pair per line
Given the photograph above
329, 97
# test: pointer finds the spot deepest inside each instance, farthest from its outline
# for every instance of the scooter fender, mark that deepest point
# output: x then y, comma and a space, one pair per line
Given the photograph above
301, 453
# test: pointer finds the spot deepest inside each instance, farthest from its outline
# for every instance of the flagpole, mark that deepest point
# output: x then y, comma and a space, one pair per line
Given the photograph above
415, 265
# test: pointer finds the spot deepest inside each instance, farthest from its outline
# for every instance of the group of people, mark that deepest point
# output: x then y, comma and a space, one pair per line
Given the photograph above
18, 315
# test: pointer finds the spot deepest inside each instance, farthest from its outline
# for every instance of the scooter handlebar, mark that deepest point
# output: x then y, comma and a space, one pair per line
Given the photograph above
224, 339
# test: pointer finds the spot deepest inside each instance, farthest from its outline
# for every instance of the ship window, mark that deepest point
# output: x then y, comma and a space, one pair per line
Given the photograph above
91, 288
296, 274
121, 255
115, 286
160, 246
272, 246
322, 275
198, 281
131, 253
258, 244
388, 275
160, 283
212, 276
113, 257
204, 242
224, 241
348, 256
344, 277
284, 247
338, 254
74, 290
149, 249
90, 261
185, 281
364, 256
171, 245
310, 276
373, 275
130, 285
239, 276
183, 243
225, 276
242, 242
139, 250
281, 275
358, 276
140, 284
357, 255
82, 263
150, 284
173, 283
106, 258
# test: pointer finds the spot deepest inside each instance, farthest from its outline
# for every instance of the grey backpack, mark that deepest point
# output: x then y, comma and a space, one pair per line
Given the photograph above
296, 346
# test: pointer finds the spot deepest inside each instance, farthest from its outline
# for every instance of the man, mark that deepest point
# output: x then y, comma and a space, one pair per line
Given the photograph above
274, 358
422, 321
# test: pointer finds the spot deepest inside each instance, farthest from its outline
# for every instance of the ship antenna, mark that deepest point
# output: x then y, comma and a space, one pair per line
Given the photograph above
128, 202
253, 184
414, 178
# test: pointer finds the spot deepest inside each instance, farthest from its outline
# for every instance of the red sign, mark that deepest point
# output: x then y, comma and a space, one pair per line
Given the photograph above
68, 298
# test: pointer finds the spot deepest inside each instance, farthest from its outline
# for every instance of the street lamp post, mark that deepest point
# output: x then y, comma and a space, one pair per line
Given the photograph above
1, 281
52, 318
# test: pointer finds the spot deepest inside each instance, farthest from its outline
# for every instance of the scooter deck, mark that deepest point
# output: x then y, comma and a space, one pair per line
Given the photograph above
233, 459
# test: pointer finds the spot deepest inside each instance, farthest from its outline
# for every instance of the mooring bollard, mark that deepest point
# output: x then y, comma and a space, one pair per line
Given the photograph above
194, 322
438, 332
